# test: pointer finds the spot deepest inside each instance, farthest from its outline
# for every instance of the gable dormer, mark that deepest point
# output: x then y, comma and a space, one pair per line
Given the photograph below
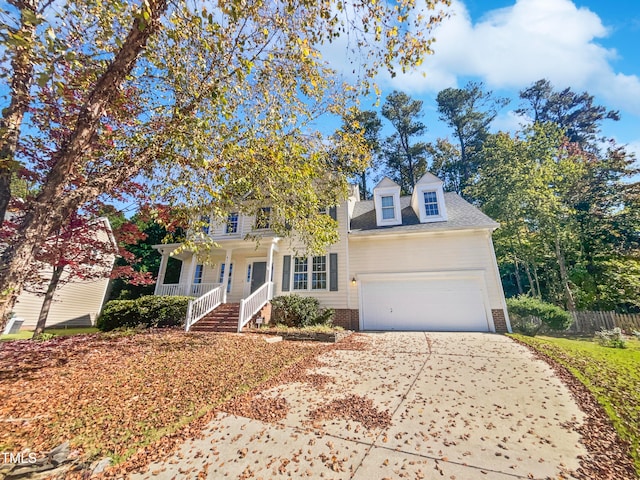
428, 199
386, 200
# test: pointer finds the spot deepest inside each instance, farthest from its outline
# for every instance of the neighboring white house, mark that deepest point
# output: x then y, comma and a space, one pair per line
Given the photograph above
419, 262
75, 303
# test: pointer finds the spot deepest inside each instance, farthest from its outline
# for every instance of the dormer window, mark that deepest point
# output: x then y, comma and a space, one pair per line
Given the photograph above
388, 210
386, 199
431, 204
428, 199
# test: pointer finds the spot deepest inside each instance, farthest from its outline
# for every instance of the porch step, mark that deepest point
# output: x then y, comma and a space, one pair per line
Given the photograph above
222, 319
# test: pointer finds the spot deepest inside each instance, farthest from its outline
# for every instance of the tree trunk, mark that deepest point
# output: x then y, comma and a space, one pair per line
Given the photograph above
564, 278
54, 203
518, 282
12, 115
363, 185
48, 298
532, 286
537, 280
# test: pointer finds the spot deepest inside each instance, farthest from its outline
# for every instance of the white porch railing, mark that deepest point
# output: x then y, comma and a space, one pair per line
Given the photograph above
193, 290
253, 303
172, 289
199, 289
199, 307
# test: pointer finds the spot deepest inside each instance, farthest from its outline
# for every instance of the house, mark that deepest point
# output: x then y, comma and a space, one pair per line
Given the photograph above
419, 262
76, 303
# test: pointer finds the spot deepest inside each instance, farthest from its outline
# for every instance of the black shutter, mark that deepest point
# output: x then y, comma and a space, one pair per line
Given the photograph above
286, 273
333, 213
333, 272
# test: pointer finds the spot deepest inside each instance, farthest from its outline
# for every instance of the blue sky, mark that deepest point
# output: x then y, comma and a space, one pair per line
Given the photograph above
588, 45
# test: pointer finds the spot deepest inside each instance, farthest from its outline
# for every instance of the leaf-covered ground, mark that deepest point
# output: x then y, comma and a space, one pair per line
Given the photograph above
612, 376
110, 395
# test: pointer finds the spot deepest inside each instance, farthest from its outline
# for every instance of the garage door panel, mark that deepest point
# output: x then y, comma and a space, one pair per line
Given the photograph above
424, 304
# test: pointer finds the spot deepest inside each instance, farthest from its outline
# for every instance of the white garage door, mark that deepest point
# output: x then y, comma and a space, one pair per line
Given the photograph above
436, 304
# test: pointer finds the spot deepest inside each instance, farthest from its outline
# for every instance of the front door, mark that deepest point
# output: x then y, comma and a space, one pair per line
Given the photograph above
258, 275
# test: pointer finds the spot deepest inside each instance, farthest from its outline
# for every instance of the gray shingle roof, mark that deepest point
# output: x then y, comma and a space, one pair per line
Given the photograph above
461, 216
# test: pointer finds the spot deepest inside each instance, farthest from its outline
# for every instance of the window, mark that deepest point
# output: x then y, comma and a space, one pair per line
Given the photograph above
319, 273
388, 209
262, 217
300, 273
232, 223
197, 277
206, 220
230, 275
431, 204
386, 201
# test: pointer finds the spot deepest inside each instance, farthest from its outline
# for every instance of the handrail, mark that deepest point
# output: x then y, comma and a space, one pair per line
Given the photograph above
199, 307
253, 303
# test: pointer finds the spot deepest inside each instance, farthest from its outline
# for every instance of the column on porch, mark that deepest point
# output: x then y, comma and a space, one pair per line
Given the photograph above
225, 277
272, 249
162, 272
190, 274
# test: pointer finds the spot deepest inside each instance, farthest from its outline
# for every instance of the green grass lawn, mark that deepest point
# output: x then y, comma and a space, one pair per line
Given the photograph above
611, 374
27, 334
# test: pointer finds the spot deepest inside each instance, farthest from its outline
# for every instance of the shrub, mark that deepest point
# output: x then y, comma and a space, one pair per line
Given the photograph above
298, 311
149, 311
530, 315
611, 338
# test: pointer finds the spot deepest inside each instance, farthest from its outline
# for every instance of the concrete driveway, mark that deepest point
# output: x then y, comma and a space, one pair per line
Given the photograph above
427, 405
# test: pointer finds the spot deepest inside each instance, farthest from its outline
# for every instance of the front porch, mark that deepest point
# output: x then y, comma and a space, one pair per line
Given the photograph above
233, 272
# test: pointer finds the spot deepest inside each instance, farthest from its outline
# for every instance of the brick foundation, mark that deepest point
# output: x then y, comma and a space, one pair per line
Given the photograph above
347, 319
499, 320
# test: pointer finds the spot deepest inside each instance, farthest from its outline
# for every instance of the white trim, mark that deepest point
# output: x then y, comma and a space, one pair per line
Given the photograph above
418, 201
394, 193
309, 261
471, 274
503, 301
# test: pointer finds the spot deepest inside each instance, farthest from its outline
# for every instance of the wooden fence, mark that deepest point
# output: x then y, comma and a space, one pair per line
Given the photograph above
590, 322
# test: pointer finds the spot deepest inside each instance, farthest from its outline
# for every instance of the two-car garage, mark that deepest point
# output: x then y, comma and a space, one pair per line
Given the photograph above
429, 301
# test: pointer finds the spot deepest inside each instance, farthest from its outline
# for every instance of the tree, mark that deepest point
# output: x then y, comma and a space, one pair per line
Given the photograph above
445, 164
575, 113
569, 219
405, 161
83, 249
142, 258
524, 184
368, 124
220, 99
468, 111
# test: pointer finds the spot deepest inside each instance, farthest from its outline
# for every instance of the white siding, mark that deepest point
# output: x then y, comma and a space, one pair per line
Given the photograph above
78, 303
446, 251
337, 299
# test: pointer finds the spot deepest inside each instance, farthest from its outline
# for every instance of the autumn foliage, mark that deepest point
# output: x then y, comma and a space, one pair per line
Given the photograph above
110, 395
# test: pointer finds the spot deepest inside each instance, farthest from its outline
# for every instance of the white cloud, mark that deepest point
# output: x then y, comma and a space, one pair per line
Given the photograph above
513, 47
509, 122
634, 147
